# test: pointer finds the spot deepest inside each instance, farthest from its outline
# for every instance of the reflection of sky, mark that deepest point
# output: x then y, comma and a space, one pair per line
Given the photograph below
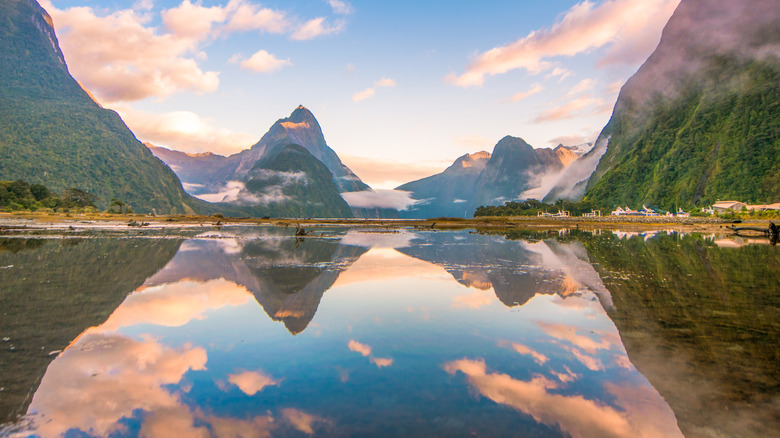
397, 347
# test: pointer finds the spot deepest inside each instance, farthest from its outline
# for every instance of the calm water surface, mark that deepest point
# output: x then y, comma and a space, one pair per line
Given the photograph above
250, 332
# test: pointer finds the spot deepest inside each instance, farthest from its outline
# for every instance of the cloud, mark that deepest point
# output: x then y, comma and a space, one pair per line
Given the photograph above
581, 87
314, 28
176, 304
132, 374
522, 349
192, 21
341, 7
247, 16
365, 350
387, 174
184, 131
371, 91
573, 108
573, 414
626, 28
301, 420
264, 62
474, 300
252, 382
573, 139
398, 199
535, 88
119, 58
229, 193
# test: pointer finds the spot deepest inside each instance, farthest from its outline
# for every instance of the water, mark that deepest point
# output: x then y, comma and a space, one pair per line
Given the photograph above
251, 332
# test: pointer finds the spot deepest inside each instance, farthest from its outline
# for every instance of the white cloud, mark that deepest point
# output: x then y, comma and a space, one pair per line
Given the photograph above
341, 7
371, 91
314, 28
249, 16
398, 199
535, 88
628, 28
264, 62
581, 87
573, 108
252, 382
184, 131
193, 21
119, 58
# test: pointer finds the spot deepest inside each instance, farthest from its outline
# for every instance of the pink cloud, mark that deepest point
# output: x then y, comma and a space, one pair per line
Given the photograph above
535, 88
573, 108
252, 382
264, 62
623, 26
184, 131
314, 28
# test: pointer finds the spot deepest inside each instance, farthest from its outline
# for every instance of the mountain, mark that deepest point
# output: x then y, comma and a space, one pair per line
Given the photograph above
209, 176
53, 133
514, 170
448, 193
53, 290
700, 119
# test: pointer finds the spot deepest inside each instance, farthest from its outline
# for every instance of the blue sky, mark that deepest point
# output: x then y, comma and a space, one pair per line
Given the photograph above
400, 88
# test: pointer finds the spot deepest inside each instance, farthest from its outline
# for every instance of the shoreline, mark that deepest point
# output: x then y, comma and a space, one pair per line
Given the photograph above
20, 223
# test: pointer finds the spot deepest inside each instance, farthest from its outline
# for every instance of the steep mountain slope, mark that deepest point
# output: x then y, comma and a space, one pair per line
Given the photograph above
700, 119
53, 133
448, 193
208, 174
514, 170
291, 182
195, 171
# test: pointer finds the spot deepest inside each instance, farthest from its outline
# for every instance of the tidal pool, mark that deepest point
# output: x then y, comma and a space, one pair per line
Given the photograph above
251, 332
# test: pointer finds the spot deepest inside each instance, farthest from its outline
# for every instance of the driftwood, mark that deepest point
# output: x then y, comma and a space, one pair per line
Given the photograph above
773, 231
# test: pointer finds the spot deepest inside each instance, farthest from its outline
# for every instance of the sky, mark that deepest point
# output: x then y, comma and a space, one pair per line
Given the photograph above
401, 89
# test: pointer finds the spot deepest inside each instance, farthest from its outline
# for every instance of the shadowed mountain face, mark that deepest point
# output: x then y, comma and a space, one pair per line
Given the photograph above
516, 270
699, 119
287, 276
482, 178
205, 174
61, 288
701, 323
53, 133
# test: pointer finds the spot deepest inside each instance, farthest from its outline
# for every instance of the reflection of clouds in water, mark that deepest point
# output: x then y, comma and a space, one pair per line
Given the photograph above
381, 264
474, 300
365, 350
105, 377
175, 304
301, 420
252, 382
374, 239
573, 414
522, 349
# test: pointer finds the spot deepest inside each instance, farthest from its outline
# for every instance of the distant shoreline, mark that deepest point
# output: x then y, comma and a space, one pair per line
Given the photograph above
18, 223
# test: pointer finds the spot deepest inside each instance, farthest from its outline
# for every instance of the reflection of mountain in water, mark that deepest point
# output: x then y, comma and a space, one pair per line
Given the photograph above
287, 277
701, 323
517, 271
52, 291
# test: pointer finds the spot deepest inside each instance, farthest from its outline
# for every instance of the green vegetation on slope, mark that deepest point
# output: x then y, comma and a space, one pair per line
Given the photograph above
718, 139
52, 133
701, 323
54, 290
293, 183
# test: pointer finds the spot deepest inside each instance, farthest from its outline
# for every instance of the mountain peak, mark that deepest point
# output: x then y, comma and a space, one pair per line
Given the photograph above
301, 114
510, 143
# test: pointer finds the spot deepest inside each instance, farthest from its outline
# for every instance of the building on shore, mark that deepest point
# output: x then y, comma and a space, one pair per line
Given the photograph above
724, 206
